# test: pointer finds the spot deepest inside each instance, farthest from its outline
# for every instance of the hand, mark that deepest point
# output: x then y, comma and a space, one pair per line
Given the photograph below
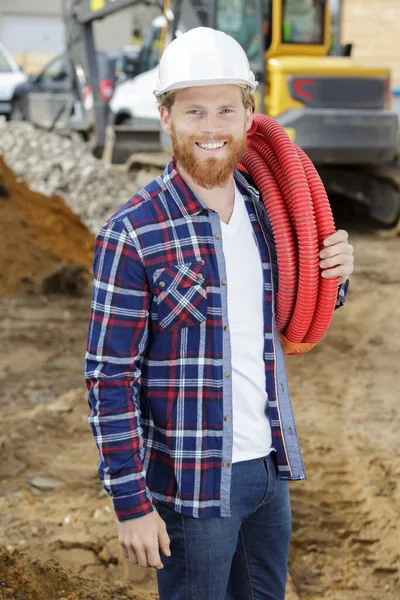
141, 538
337, 256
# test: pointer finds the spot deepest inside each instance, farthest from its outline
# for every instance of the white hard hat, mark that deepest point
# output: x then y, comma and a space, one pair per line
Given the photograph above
203, 56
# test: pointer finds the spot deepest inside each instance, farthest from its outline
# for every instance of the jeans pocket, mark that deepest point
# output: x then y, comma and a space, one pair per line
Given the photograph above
271, 471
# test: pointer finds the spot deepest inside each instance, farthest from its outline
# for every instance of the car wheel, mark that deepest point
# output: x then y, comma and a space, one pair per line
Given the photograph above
17, 113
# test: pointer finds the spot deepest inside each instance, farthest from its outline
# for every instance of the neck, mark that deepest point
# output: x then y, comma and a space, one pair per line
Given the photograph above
220, 199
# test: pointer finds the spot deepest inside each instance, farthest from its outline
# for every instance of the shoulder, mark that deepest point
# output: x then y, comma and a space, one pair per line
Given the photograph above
140, 206
244, 180
147, 208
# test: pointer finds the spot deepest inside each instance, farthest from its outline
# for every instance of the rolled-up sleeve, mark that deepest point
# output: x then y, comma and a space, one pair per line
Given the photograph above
342, 294
117, 338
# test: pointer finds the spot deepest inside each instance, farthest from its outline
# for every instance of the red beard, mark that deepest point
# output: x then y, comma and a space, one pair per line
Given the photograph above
209, 172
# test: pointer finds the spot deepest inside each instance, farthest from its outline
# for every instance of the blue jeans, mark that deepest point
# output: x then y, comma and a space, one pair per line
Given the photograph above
242, 557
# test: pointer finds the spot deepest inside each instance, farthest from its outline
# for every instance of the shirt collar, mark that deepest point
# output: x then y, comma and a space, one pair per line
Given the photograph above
190, 202
193, 204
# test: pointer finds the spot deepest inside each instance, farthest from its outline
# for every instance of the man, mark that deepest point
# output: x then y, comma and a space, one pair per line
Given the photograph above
186, 376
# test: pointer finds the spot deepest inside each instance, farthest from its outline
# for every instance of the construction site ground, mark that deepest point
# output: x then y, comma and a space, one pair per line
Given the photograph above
57, 526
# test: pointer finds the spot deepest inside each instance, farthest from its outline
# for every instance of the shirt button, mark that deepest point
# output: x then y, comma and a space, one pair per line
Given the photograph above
224, 282
226, 464
217, 236
227, 418
162, 284
226, 328
200, 276
227, 374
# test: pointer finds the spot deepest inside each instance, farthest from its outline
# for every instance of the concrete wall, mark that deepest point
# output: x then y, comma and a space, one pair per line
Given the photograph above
374, 28
31, 7
115, 30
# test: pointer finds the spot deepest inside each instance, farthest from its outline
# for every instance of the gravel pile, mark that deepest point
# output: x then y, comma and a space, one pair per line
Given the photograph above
57, 165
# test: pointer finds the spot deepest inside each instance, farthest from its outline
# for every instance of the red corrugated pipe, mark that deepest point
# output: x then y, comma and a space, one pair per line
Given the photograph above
301, 218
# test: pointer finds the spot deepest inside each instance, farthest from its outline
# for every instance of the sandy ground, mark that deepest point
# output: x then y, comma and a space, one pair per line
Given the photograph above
345, 542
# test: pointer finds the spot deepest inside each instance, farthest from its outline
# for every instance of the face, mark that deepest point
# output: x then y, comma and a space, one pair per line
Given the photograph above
208, 128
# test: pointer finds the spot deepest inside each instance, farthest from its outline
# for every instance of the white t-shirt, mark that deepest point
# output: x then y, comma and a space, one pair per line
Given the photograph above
251, 428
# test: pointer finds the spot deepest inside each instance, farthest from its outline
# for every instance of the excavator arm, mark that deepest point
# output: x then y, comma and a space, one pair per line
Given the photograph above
79, 16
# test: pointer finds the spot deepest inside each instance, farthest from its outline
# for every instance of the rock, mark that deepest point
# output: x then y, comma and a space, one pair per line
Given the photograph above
76, 557
45, 483
105, 555
53, 164
67, 279
67, 402
4, 193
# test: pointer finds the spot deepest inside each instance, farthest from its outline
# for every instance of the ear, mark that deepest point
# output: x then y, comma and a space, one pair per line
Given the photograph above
249, 119
165, 119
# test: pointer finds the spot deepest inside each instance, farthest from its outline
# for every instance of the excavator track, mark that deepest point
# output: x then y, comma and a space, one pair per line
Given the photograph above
376, 187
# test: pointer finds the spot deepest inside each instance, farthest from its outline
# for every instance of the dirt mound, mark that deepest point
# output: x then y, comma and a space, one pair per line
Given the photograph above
62, 165
37, 235
24, 576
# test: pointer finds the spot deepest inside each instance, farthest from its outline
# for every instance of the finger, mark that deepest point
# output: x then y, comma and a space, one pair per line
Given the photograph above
339, 236
153, 557
132, 555
164, 541
340, 259
339, 271
340, 248
124, 550
141, 556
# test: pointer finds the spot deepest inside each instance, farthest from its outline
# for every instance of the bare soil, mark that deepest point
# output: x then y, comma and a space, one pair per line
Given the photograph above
37, 235
60, 543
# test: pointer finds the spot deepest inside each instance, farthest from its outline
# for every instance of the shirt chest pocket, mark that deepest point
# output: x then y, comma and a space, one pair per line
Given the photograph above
180, 295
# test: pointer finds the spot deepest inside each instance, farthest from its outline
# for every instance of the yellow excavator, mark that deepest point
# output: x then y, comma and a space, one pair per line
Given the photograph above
336, 108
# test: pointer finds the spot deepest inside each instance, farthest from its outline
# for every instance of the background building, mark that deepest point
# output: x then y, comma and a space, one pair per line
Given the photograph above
33, 30
374, 28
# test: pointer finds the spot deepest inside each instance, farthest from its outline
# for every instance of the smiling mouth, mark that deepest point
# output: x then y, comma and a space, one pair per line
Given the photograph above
210, 146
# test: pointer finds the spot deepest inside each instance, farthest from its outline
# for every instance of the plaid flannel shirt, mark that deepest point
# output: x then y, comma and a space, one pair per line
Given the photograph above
158, 362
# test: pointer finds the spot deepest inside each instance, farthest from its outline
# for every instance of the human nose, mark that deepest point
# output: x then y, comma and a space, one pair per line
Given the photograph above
211, 126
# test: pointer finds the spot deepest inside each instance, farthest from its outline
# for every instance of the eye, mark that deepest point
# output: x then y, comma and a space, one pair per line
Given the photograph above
227, 110
194, 111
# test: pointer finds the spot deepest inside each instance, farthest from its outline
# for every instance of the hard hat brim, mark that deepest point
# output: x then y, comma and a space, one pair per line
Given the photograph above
180, 85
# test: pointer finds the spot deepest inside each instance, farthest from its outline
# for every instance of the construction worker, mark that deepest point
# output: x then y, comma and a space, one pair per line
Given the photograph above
137, 38
188, 394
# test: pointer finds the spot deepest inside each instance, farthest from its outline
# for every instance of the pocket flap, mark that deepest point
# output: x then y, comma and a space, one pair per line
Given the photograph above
181, 275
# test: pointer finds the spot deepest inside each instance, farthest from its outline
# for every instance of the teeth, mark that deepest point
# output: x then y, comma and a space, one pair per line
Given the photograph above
212, 146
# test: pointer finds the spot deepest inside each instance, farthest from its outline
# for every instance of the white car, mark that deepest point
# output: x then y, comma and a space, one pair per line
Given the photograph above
10, 76
134, 103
